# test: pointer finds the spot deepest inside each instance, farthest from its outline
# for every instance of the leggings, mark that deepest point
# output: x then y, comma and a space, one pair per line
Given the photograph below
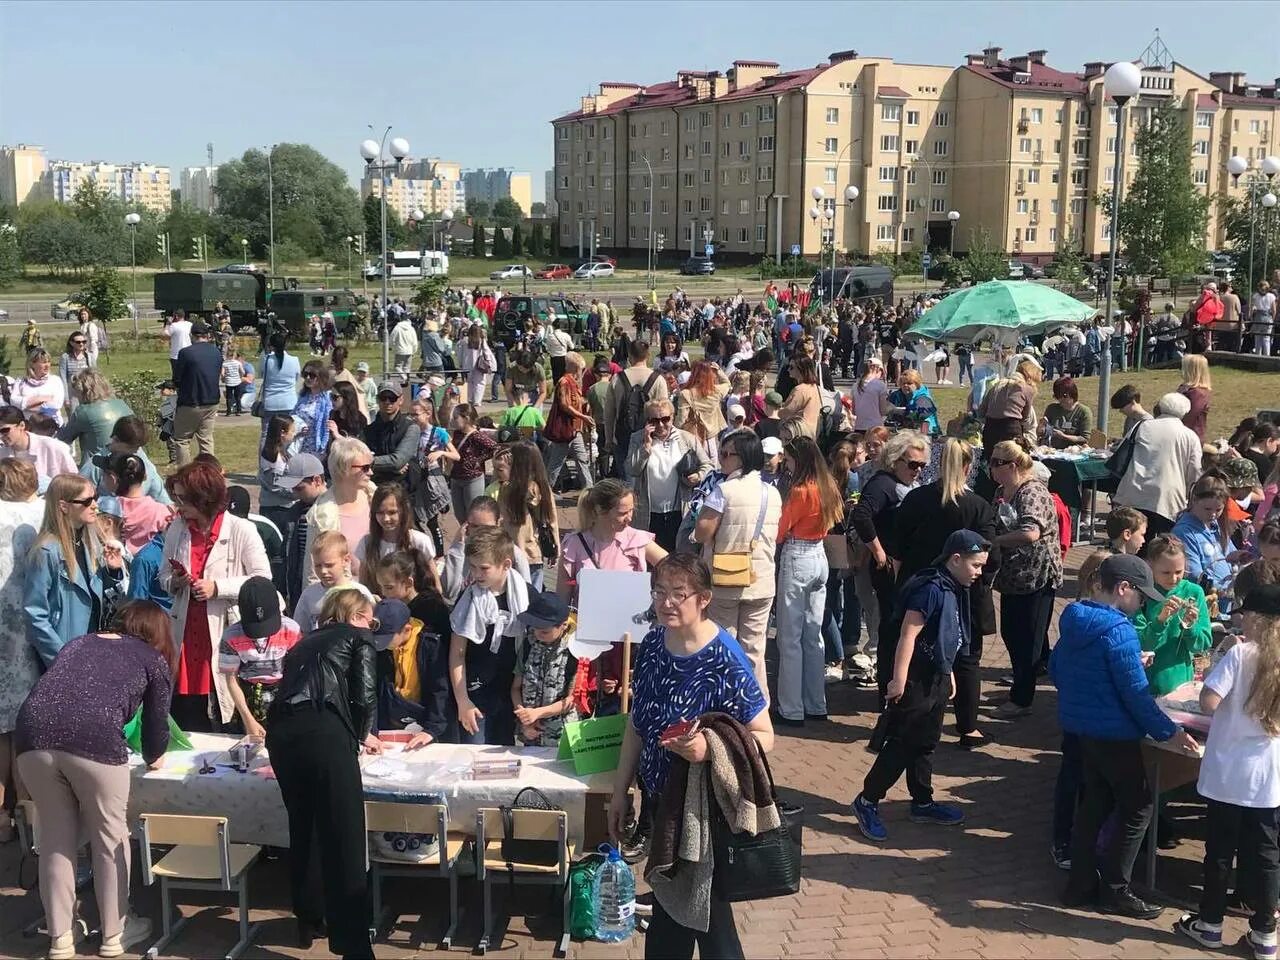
463, 492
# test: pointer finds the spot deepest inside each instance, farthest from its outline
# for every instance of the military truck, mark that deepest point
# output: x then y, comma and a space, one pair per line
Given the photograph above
295, 307
251, 296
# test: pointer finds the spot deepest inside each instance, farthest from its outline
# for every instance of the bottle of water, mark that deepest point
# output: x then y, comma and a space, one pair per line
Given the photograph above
614, 897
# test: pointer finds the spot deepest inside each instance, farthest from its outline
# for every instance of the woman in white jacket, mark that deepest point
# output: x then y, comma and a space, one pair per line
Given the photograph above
208, 555
1165, 464
477, 362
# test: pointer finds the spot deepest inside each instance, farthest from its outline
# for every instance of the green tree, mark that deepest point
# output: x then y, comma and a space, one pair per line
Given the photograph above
1070, 265
501, 245
1163, 214
535, 244
10, 254
477, 208
184, 224
507, 212
984, 260
478, 240
429, 292
1255, 245
397, 233
105, 294
517, 241
538, 209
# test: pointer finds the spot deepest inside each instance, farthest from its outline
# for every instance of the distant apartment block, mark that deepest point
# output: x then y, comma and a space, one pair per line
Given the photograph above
198, 185
137, 184
21, 168
492, 185
553, 209
431, 185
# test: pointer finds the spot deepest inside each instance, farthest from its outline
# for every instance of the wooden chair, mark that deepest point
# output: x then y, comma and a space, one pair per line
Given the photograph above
27, 821
201, 858
525, 825
430, 818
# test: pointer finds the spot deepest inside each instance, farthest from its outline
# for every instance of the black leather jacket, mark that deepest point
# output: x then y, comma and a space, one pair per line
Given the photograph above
334, 666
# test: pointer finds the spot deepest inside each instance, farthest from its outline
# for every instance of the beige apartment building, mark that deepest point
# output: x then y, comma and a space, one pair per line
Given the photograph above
21, 168
431, 185
1010, 145
493, 185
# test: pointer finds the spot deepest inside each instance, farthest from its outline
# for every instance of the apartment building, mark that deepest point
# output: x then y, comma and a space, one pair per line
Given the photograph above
137, 184
549, 191
493, 185
1013, 146
198, 187
431, 185
21, 168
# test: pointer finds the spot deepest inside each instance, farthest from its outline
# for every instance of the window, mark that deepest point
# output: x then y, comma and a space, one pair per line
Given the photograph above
742, 234
887, 202
1201, 148
591, 181
914, 204
704, 118
889, 143
888, 174
1204, 118
704, 204
687, 206
744, 148
890, 111
706, 176
577, 132
940, 148
1111, 144
1057, 115
765, 114
764, 173
607, 209
1055, 207
831, 144
908, 234
1024, 145
744, 175
1023, 206
911, 176
829, 175
728, 121
706, 148
745, 119
564, 183
765, 144
884, 231
1255, 126
591, 131
644, 206
725, 148
631, 207
631, 130
688, 151
1200, 177
913, 118
762, 204
690, 123
1077, 206
724, 178
1080, 148
833, 114
1079, 178
688, 179
939, 205
744, 206
1106, 231
564, 133
664, 206
760, 233
1112, 114
911, 147
1033, 175
1055, 176
591, 205
666, 154
724, 208
608, 183
577, 183
664, 128
633, 232
942, 118
828, 235
1053, 234
1037, 115
1111, 175
939, 178
1057, 146
562, 156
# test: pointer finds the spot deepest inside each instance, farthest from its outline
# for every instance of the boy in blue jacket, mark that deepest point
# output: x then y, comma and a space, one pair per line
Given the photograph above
934, 613
1104, 700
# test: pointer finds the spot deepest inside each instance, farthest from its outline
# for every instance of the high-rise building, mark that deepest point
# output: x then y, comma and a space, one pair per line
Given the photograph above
431, 185
549, 195
21, 168
492, 185
741, 159
142, 184
198, 185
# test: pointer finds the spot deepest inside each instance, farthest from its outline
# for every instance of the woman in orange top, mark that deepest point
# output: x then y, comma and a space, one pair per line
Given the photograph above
813, 506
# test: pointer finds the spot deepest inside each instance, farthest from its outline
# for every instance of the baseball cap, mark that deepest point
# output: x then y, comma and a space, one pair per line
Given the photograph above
301, 466
390, 386
200, 329
773, 398
546, 609
1264, 599
1131, 569
362, 367
736, 412
238, 502
259, 608
601, 367
772, 446
392, 616
962, 542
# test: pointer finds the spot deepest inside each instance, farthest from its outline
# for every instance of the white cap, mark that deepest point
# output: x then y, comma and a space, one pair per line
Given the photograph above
772, 446
736, 412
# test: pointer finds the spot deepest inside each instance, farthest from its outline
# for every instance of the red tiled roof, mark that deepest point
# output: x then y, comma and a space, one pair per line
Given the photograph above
1205, 101
1044, 79
1239, 100
892, 92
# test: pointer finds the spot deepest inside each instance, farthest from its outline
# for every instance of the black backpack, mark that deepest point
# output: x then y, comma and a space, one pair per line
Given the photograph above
631, 415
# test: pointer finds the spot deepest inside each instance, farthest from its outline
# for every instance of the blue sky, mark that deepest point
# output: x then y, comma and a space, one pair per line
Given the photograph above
477, 82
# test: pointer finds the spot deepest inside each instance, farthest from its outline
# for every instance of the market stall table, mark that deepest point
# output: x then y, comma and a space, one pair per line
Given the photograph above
1069, 476
434, 774
1168, 767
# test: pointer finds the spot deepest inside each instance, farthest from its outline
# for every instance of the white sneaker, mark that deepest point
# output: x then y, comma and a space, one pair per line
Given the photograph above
62, 947
136, 930
834, 674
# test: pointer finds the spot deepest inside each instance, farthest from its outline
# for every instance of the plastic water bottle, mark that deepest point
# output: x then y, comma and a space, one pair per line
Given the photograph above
614, 897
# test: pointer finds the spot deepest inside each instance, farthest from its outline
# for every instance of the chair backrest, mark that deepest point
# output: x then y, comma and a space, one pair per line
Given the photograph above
381, 816
525, 824
170, 829
28, 826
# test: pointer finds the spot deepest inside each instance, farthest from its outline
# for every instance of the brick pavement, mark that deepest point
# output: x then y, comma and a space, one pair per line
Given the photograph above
986, 889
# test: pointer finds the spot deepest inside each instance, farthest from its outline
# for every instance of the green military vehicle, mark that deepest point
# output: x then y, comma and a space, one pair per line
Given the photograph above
514, 309
295, 307
251, 296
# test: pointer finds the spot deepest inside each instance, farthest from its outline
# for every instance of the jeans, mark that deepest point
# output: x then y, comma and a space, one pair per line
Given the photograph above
1248, 835
802, 590
402, 363
1113, 777
500, 365
914, 729
1024, 623
665, 527
1066, 795
575, 450
537, 576
870, 607
966, 368
667, 940
498, 725
462, 492
842, 618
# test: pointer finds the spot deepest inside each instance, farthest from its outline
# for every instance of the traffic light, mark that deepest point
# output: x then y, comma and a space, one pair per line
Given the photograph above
162, 244
359, 241
197, 248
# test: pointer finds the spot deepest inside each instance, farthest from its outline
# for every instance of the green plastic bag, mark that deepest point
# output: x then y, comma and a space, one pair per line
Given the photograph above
582, 909
133, 734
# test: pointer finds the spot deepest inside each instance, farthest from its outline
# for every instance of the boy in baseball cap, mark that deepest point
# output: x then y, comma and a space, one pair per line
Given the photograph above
253, 652
542, 691
399, 672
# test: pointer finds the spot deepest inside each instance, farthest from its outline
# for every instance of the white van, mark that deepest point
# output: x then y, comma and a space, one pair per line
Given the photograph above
410, 265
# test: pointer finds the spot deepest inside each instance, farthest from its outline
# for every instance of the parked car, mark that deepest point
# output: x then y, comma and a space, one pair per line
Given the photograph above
554, 271
698, 266
67, 305
514, 310
4, 315
593, 271
868, 283
512, 271
598, 258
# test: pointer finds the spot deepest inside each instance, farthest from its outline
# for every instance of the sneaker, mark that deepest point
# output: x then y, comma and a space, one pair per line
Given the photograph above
136, 930
1123, 902
868, 815
1061, 856
944, 814
833, 673
1005, 681
1256, 942
1190, 925
1011, 711
62, 947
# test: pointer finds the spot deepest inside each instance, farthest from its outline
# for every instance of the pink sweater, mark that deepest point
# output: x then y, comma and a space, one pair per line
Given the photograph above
143, 519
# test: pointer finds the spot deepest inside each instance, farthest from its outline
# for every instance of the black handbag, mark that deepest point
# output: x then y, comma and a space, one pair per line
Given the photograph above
1119, 463
756, 867
548, 545
541, 852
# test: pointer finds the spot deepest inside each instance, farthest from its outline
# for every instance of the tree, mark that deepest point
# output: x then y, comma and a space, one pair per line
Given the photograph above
1256, 246
10, 254
1070, 265
478, 240
396, 231
501, 245
984, 261
184, 224
535, 244
477, 208
517, 241
1163, 215
105, 294
507, 212
538, 209
428, 293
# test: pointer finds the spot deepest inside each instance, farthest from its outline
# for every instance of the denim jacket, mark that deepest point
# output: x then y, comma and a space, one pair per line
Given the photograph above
59, 607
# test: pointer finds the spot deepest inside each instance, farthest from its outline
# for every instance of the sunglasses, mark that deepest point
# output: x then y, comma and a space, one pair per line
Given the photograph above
310, 375
363, 467
78, 343
658, 420
916, 464
83, 501
387, 398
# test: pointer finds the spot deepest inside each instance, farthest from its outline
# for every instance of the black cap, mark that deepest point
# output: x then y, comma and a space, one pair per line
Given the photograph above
259, 608
392, 615
1264, 599
238, 502
1133, 570
546, 609
962, 542
200, 329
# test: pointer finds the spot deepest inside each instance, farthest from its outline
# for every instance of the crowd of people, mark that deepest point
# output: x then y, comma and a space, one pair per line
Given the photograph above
798, 535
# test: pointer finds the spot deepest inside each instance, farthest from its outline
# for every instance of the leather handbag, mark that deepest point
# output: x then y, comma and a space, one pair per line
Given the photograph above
539, 852
1118, 464
735, 568
757, 867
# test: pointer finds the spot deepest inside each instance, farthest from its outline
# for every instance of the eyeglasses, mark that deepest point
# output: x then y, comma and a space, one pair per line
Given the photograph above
915, 464
659, 420
83, 501
78, 343
387, 398
310, 375
363, 467
997, 462
662, 596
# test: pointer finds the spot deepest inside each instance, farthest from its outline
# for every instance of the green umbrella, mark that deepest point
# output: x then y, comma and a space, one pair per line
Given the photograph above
999, 309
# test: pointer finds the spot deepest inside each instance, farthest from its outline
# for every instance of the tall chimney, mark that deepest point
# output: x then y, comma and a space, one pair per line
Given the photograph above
991, 57
1037, 56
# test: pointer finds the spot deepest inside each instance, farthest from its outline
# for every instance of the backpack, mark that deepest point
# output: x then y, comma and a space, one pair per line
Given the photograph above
631, 416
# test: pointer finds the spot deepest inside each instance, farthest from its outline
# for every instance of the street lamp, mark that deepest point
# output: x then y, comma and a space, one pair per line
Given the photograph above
131, 221
244, 250
271, 211
1268, 201
1122, 82
1270, 167
648, 247
953, 216
447, 217
372, 151
350, 240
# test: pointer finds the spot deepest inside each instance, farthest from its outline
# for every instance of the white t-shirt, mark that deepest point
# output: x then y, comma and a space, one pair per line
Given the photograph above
559, 343
179, 337
1241, 763
417, 539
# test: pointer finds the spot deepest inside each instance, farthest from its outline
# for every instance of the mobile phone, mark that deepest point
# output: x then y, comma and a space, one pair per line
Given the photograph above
681, 728
177, 567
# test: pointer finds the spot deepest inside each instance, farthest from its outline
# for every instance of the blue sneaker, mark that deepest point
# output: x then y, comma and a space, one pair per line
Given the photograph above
941, 813
1190, 925
868, 815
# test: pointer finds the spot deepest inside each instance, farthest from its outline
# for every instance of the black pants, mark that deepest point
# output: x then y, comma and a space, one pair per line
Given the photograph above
667, 940
1066, 794
914, 729
233, 395
190, 711
315, 764
884, 586
557, 368
1113, 778
665, 527
1247, 834
1024, 624
968, 673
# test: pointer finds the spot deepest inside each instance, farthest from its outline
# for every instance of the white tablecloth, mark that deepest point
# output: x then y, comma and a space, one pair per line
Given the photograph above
252, 804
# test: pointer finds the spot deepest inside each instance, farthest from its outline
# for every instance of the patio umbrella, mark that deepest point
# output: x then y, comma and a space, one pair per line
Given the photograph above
999, 309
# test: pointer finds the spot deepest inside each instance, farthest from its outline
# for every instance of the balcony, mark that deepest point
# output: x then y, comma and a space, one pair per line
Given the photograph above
1023, 125
1038, 156
1020, 188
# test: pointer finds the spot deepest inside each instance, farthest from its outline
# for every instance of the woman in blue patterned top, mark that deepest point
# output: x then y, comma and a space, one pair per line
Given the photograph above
687, 666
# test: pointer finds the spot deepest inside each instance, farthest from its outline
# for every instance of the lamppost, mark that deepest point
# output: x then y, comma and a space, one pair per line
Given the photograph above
1270, 167
447, 217
374, 160
850, 198
815, 214
350, 277
1122, 82
649, 246
244, 250
131, 221
1268, 201
952, 216
271, 211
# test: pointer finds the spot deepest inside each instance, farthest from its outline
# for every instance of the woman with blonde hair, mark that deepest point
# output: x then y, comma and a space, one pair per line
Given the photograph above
477, 363
870, 396
40, 391
1008, 409
314, 409
909, 400
345, 506
666, 463
929, 514
1196, 386
565, 423
1030, 568
94, 415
